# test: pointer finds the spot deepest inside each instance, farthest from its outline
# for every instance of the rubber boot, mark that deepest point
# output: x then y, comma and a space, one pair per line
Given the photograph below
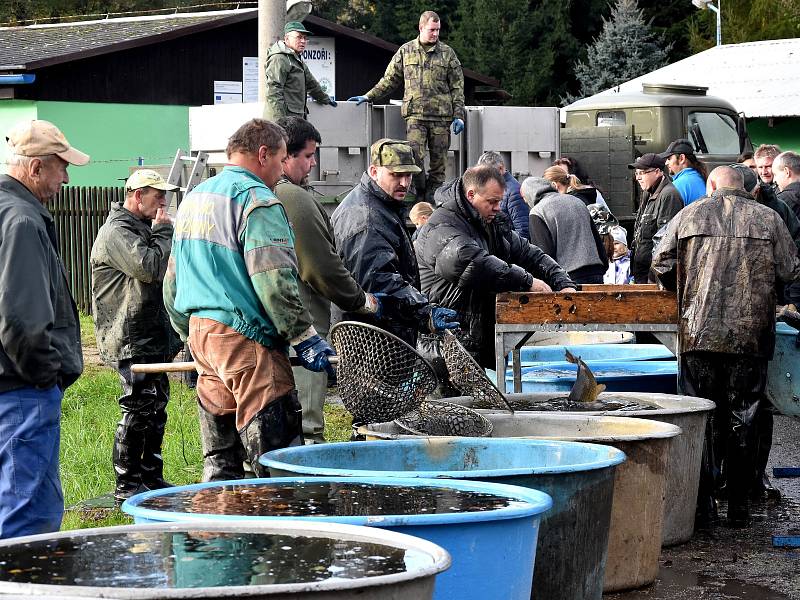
762, 486
278, 425
223, 454
127, 456
152, 461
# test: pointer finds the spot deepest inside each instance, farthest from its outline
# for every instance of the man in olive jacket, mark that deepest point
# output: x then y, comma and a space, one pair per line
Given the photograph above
289, 81
129, 259
40, 342
433, 99
323, 278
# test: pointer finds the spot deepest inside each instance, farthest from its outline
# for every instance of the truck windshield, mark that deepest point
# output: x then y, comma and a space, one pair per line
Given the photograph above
713, 133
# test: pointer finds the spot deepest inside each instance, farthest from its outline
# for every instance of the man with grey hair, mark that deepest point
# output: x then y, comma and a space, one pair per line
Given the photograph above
786, 174
723, 255
513, 205
231, 289
40, 342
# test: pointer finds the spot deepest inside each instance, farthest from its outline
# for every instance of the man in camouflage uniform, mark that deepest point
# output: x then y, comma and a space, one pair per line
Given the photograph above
129, 259
433, 98
289, 82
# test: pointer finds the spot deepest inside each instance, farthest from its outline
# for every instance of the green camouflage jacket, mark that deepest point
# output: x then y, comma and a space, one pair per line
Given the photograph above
434, 82
129, 259
289, 82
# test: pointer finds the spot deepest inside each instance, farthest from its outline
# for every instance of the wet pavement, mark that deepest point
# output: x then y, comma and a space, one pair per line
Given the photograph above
732, 564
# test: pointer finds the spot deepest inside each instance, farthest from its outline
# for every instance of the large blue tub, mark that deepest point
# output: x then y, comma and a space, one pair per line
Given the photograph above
533, 355
493, 549
657, 376
783, 379
573, 541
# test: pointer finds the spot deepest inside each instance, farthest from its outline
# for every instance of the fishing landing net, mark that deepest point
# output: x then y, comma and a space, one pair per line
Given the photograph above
434, 417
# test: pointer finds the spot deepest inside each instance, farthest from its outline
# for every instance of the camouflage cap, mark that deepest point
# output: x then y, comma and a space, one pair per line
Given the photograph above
148, 178
395, 155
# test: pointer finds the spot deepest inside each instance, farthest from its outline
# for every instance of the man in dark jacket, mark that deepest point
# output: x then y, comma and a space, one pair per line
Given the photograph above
723, 255
322, 278
469, 252
40, 342
129, 259
658, 203
371, 237
786, 173
513, 204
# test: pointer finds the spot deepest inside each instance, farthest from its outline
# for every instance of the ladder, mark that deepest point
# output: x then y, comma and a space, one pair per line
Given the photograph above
196, 166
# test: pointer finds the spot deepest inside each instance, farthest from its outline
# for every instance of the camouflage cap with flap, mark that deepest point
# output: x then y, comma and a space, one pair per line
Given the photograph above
395, 155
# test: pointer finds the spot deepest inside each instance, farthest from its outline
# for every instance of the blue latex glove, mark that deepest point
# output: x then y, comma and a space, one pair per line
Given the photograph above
379, 296
332, 101
458, 126
359, 100
442, 318
313, 354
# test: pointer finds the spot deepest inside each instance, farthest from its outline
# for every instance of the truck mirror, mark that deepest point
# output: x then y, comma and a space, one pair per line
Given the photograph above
744, 140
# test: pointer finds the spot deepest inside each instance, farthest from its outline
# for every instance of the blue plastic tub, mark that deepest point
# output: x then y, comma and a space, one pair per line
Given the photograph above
573, 540
658, 376
488, 547
533, 355
783, 376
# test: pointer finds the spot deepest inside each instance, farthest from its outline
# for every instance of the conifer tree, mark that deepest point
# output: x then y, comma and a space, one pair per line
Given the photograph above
626, 48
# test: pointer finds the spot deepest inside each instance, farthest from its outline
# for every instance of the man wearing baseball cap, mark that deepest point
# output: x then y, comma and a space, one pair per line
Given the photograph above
289, 82
658, 203
371, 237
129, 259
688, 173
40, 343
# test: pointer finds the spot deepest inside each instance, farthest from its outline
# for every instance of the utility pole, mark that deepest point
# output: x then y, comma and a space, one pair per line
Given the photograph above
271, 19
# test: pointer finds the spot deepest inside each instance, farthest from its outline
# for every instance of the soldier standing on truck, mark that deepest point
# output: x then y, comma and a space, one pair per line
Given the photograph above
432, 102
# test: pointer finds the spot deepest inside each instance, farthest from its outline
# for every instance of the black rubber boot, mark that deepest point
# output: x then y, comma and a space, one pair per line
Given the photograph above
127, 456
762, 487
278, 425
223, 454
152, 461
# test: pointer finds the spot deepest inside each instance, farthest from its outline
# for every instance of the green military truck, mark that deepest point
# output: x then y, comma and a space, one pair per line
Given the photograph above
607, 132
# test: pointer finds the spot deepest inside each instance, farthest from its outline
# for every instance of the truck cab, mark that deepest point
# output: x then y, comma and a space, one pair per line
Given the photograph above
607, 132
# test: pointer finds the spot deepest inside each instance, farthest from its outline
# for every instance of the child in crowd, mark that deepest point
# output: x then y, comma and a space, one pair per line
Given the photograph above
619, 269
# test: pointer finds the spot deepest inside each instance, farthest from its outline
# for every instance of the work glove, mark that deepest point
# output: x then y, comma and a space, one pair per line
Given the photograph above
359, 100
458, 126
332, 101
373, 305
442, 318
313, 354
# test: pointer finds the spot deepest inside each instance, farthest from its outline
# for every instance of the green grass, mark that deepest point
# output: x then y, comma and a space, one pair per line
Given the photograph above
89, 416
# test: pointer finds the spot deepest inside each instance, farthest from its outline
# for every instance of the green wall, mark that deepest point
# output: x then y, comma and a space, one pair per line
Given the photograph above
785, 132
12, 112
114, 135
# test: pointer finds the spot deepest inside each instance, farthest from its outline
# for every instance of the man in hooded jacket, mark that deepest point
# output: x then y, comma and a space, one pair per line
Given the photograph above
469, 252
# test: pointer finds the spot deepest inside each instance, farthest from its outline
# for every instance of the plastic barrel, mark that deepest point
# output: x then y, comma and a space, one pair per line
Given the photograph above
486, 546
683, 466
530, 355
783, 375
214, 560
573, 539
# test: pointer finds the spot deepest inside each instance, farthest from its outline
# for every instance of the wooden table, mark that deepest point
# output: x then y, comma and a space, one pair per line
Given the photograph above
595, 308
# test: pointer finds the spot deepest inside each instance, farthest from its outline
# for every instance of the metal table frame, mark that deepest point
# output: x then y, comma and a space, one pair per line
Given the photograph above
511, 337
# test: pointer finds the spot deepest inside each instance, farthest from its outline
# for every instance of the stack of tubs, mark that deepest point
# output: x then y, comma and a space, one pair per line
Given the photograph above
490, 530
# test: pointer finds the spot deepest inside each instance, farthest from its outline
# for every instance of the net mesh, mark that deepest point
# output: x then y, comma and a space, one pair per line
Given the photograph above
380, 377
434, 417
468, 376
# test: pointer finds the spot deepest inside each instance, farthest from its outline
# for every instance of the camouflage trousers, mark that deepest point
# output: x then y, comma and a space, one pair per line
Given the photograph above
429, 137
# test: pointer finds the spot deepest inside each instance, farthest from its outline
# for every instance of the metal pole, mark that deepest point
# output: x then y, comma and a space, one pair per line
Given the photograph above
719, 22
271, 19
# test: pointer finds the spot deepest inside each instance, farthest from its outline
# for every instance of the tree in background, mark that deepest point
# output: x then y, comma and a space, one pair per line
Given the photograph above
746, 21
626, 48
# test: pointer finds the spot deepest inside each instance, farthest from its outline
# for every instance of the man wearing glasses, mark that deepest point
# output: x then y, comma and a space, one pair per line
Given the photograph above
289, 81
659, 202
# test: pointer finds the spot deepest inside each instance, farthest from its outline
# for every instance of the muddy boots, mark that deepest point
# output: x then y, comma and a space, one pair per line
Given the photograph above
762, 487
138, 465
223, 454
278, 425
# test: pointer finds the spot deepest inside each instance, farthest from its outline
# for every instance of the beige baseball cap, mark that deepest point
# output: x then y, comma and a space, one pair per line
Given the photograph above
42, 138
148, 178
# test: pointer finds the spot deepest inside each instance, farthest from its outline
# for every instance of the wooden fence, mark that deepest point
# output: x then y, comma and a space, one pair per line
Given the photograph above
78, 213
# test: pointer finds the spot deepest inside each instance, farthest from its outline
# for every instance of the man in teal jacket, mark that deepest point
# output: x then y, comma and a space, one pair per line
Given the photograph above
289, 82
231, 289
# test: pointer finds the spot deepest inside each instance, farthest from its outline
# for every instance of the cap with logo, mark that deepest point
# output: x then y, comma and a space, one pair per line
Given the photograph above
647, 161
681, 146
148, 178
42, 138
749, 177
295, 26
395, 155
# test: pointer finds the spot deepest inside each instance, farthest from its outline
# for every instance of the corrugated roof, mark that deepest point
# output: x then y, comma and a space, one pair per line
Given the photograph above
36, 46
761, 79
